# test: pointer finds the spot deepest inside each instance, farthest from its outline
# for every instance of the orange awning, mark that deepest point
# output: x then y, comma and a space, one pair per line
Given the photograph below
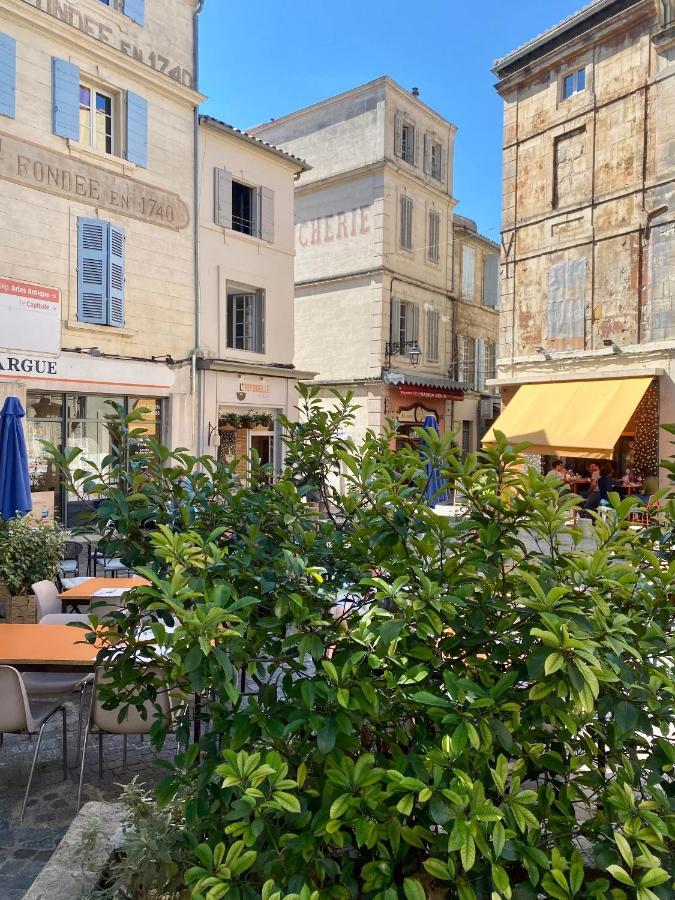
571, 418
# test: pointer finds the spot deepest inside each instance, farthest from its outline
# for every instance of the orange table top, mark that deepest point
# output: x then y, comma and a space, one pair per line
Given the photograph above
85, 591
53, 645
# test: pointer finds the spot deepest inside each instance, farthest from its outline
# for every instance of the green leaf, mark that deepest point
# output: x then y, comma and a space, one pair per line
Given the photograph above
339, 806
624, 849
287, 801
498, 839
626, 717
621, 875
468, 853
554, 662
413, 889
438, 869
405, 804
330, 670
653, 878
343, 697
325, 737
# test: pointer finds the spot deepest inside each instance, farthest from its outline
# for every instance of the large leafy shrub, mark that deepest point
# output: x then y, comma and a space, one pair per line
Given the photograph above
29, 552
399, 704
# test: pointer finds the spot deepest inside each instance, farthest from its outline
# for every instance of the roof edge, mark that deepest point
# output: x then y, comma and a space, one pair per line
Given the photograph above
224, 128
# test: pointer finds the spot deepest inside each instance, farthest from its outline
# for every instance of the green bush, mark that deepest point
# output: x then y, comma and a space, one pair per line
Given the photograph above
400, 705
29, 552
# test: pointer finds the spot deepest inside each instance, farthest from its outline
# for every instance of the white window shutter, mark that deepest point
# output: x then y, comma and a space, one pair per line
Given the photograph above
223, 198
479, 354
459, 341
414, 324
427, 154
398, 134
267, 214
444, 165
395, 325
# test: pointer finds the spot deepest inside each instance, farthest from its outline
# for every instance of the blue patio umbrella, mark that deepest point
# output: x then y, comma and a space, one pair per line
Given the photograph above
14, 479
436, 486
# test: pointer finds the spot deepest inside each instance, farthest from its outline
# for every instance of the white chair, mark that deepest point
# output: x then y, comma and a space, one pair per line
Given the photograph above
69, 583
19, 716
113, 566
105, 721
48, 600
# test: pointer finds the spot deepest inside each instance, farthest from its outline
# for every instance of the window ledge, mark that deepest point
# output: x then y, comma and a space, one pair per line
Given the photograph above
104, 160
109, 330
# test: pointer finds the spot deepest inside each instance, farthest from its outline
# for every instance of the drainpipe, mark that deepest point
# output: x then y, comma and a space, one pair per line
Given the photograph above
195, 379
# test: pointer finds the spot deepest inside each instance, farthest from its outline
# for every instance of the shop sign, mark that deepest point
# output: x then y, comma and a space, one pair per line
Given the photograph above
30, 165
254, 387
426, 393
110, 33
27, 365
334, 228
30, 316
414, 416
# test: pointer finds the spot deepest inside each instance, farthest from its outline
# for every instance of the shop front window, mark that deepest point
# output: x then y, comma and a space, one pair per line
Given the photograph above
44, 422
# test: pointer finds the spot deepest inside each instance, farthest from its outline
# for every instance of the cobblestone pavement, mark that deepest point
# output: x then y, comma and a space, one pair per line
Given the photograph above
26, 846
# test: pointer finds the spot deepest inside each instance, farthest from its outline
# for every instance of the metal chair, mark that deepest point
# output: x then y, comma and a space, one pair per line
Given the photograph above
105, 721
113, 566
19, 716
70, 559
48, 600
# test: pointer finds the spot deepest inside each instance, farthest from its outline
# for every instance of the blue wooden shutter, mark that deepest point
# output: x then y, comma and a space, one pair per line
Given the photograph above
65, 99
116, 276
92, 271
137, 130
7, 76
135, 9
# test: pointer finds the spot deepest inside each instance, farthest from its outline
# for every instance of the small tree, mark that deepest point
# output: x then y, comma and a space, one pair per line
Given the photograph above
400, 705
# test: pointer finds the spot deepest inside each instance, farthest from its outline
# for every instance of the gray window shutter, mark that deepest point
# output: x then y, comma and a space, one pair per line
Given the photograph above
135, 9
479, 364
65, 99
417, 142
259, 340
137, 129
459, 343
116, 276
267, 214
7, 76
491, 280
223, 198
414, 334
427, 154
444, 165
92, 271
398, 134
395, 325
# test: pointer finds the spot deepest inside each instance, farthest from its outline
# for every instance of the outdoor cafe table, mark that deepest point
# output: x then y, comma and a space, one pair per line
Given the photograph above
85, 593
51, 647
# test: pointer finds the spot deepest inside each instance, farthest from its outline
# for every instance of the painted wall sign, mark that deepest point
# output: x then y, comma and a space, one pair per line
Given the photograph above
114, 35
254, 387
78, 371
27, 365
415, 416
33, 166
30, 316
338, 227
426, 393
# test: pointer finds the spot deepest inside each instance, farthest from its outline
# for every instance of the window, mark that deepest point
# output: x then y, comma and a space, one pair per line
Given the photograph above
246, 319
434, 244
433, 322
406, 223
570, 168
574, 83
405, 139
468, 273
406, 332
466, 359
7, 76
436, 161
134, 9
466, 436
100, 273
96, 119
490, 360
242, 207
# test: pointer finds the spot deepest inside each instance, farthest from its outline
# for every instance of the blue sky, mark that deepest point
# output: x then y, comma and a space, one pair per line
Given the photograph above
267, 58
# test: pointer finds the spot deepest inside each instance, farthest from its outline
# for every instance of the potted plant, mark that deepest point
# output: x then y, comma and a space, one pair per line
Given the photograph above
28, 553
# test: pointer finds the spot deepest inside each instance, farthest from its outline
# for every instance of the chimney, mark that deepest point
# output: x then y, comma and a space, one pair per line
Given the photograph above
415, 92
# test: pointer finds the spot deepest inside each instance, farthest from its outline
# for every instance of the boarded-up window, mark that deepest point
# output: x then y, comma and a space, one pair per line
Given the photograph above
566, 294
569, 167
659, 315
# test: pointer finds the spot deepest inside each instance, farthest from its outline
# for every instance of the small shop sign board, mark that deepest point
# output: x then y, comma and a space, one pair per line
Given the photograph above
43, 507
30, 315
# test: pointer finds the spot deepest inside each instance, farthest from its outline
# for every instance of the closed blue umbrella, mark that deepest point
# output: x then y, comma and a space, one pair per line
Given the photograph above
436, 486
14, 479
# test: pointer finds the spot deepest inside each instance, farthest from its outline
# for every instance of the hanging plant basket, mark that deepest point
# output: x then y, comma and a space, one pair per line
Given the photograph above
246, 420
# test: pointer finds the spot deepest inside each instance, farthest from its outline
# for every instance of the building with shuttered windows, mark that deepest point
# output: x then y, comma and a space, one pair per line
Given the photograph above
97, 235
376, 286
246, 372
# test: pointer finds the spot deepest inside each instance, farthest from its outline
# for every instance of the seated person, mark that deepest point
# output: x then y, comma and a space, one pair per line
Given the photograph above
557, 470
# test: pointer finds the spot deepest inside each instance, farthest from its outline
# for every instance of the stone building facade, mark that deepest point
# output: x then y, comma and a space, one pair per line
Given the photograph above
588, 234
375, 259
97, 236
246, 372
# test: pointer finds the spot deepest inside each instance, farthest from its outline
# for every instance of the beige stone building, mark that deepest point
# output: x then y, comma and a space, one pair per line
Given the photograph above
588, 264
376, 299
246, 372
97, 235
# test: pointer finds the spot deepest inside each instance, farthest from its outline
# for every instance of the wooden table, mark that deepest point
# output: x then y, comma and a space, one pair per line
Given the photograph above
43, 647
83, 594
575, 482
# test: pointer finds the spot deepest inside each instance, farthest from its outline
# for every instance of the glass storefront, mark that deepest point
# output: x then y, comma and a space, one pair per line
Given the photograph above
76, 420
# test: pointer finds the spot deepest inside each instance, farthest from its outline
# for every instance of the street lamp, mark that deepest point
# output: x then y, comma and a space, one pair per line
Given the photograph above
395, 348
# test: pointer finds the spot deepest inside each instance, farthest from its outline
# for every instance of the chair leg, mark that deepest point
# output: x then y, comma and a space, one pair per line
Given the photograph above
84, 756
100, 754
124, 753
65, 744
79, 724
32, 770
